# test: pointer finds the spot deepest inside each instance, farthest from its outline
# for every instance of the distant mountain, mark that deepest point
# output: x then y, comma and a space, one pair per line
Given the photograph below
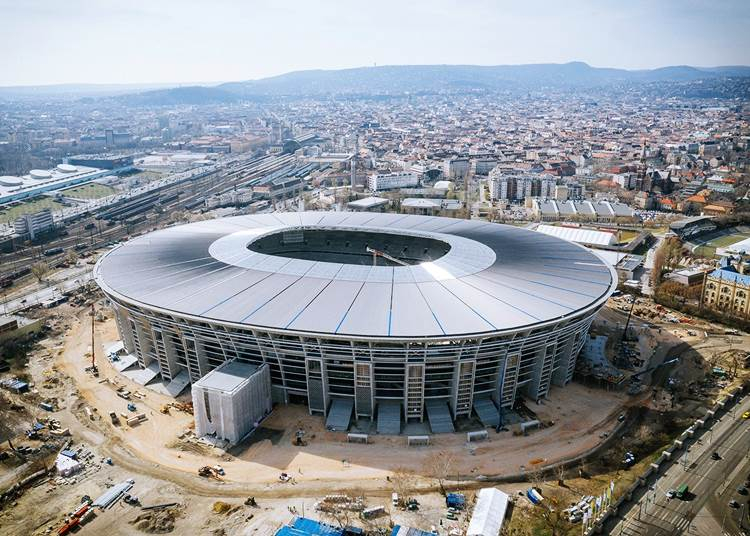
431, 78
197, 95
82, 90
384, 80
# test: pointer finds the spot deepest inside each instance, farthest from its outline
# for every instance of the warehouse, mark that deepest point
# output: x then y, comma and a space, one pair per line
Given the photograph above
387, 317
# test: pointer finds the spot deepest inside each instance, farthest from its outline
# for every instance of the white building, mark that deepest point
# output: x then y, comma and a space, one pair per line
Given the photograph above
502, 187
231, 400
547, 187
38, 181
524, 188
33, 224
489, 513
626, 181
390, 181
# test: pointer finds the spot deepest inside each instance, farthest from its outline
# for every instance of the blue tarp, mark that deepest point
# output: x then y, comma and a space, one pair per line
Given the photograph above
455, 500
398, 530
301, 526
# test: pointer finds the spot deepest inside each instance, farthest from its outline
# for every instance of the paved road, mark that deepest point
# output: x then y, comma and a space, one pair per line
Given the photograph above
654, 514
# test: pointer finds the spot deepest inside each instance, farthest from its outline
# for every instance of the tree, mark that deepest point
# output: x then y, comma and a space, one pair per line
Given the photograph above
440, 465
40, 270
561, 475
666, 258
549, 515
403, 482
71, 257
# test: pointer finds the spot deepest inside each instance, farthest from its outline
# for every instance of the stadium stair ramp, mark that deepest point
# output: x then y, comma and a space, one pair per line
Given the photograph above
487, 412
440, 417
389, 417
340, 414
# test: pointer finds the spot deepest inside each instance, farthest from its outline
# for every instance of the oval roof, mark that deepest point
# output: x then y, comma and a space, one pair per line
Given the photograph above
494, 278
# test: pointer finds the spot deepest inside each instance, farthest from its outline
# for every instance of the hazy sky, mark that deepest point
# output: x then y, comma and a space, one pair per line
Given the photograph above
124, 41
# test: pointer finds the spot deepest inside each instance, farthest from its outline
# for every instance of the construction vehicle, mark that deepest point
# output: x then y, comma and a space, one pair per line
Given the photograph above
115, 419
208, 472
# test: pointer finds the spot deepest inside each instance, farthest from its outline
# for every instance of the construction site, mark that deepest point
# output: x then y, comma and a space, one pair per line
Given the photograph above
88, 449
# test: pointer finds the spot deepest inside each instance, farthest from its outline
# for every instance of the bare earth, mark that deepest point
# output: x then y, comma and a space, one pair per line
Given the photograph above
581, 414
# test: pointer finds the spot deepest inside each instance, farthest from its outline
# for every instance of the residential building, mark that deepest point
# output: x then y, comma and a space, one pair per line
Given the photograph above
391, 181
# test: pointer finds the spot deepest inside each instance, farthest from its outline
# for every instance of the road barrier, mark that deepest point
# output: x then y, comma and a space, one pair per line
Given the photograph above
666, 455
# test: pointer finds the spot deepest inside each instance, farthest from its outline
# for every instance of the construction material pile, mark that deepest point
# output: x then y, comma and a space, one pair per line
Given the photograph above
336, 503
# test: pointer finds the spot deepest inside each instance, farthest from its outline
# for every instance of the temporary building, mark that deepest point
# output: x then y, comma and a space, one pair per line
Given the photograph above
66, 466
489, 513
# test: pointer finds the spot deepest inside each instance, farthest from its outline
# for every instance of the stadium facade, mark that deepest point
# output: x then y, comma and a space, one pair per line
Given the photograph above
457, 315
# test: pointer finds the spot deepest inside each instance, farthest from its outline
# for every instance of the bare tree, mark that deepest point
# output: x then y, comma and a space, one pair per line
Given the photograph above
441, 465
71, 257
40, 270
561, 475
342, 517
403, 482
549, 515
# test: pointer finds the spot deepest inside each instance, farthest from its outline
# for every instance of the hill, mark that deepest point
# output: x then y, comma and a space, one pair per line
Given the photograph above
432, 78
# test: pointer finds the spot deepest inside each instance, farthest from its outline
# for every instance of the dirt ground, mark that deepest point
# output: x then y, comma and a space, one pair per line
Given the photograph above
162, 456
581, 414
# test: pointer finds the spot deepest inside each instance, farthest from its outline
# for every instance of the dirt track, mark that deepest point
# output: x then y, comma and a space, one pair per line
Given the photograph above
581, 415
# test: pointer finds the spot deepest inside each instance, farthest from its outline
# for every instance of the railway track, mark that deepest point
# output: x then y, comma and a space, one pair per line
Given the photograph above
176, 196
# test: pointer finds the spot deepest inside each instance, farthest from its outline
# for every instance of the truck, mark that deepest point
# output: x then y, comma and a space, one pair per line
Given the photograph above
682, 491
455, 500
115, 419
373, 512
534, 496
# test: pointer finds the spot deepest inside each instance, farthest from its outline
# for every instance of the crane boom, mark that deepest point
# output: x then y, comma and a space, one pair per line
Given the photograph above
377, 253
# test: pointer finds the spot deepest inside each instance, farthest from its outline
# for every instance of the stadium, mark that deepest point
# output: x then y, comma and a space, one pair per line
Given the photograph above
385, 317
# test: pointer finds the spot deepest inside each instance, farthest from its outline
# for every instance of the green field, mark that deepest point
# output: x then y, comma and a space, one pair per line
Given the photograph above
728, 240
29, 207
89, 191
627, 235
708, 249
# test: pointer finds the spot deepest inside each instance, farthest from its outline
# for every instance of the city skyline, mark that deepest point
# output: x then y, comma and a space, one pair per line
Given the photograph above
182, 43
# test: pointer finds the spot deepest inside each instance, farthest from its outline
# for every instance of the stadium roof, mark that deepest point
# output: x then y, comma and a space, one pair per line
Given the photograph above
492, 278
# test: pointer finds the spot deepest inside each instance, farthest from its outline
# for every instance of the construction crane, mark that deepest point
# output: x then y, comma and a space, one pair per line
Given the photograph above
377, 253
93, 368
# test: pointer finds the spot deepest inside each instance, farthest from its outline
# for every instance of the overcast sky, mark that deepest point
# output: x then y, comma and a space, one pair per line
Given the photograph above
141, 41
